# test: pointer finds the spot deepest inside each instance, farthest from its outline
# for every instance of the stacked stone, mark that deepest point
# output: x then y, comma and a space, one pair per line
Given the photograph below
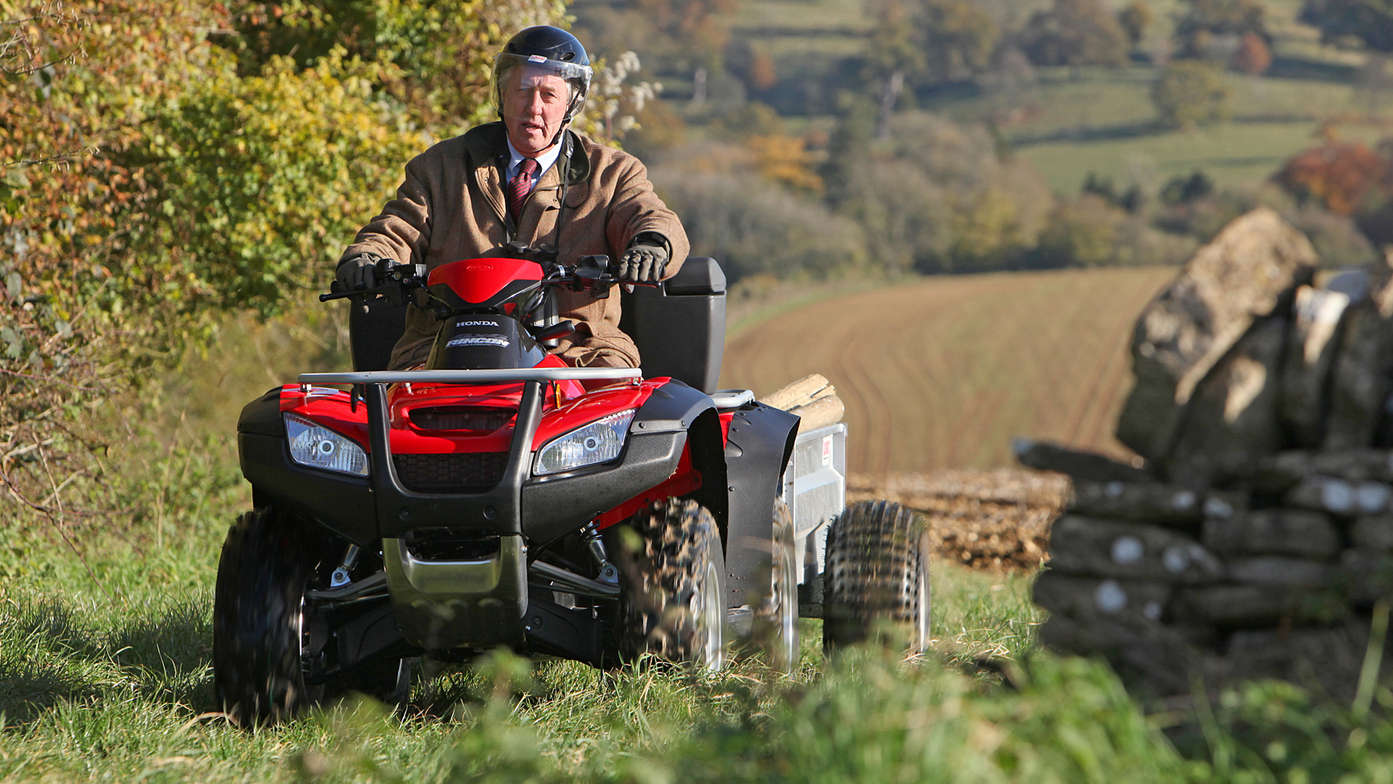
1254, 536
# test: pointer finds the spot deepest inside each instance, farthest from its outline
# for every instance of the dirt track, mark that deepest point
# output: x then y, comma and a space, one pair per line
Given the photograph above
996, 520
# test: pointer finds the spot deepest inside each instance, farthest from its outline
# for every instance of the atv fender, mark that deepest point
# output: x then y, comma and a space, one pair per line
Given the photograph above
678, 408
675, 417
343, 504
758, 447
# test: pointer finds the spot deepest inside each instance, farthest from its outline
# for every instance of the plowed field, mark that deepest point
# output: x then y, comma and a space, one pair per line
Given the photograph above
994, 520
943, 372
939, 375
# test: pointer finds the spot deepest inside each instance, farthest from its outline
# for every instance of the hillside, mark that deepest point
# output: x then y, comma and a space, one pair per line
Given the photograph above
942, 372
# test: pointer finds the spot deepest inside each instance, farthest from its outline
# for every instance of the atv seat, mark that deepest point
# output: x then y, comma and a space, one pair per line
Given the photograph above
679, 329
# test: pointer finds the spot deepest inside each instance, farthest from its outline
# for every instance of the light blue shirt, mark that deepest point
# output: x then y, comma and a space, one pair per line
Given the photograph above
544, 161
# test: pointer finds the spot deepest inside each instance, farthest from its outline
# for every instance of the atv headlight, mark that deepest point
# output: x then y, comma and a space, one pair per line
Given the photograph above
597, 442
319, 447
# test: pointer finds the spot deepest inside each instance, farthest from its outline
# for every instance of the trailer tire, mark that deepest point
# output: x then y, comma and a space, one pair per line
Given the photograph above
877, 578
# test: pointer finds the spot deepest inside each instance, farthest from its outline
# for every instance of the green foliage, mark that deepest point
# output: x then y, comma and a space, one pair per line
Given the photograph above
1075, 32
1082, 232
1185, 189
1208, 25
1190, 93
442, 51
283, 166
929, 40
157, 175
756, 227
1367, 21
1135, 18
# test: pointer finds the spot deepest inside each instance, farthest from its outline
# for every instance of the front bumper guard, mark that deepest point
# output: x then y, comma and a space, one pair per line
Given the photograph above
442, 604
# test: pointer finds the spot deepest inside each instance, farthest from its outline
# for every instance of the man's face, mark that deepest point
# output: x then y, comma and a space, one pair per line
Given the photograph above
533, 104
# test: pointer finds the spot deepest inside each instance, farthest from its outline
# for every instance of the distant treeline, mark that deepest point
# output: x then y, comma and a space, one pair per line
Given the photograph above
742, 147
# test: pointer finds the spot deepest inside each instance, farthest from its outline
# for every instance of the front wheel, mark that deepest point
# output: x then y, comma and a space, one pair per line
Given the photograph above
259, 614
673, 596
877, 577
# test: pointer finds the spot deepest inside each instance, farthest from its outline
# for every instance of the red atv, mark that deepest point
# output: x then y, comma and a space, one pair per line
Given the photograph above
499, 497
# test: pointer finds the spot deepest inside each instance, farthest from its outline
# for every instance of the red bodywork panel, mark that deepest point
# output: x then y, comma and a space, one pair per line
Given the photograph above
476, 281
565, 407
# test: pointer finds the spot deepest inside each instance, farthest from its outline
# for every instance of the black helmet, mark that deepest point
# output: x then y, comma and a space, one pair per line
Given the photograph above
549, 49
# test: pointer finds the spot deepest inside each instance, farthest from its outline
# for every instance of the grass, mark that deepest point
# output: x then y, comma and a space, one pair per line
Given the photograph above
107, 675
114, 684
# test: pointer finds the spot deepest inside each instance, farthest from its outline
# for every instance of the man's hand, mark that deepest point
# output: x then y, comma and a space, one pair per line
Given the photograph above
643, 263
358, 272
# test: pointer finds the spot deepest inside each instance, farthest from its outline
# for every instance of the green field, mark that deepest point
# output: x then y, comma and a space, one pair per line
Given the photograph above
1070, 122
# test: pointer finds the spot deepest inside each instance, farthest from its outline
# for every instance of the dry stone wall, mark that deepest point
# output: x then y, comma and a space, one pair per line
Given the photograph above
1254, 537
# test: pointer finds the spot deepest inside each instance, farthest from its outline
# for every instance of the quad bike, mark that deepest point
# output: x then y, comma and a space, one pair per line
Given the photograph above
497, 497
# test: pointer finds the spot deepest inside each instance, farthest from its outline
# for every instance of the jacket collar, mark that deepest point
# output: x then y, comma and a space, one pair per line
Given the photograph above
486, 145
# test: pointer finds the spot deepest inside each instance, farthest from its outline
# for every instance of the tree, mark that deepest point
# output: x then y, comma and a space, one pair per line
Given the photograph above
919, 42
1135, 19
1369, 21
695, 31
1212, 29
1253, 57
1190, 93
1075, 32
439, 52
1339, 176
155, 176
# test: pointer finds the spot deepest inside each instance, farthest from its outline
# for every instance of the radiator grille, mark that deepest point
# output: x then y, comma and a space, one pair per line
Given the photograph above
456, 473
461, 418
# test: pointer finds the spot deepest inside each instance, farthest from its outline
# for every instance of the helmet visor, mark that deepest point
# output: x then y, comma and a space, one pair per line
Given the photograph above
575, 74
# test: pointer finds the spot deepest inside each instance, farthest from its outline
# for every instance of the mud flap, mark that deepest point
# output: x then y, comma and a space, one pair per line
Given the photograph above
758, 448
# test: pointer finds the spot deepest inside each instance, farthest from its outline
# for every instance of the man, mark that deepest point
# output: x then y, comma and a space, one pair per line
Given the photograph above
527, 179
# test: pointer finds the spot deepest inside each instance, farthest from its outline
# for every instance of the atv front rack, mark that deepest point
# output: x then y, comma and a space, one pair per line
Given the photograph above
479, 600
490, 376
399, 509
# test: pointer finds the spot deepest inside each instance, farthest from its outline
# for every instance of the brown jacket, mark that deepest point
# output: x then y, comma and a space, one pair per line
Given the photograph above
451, 206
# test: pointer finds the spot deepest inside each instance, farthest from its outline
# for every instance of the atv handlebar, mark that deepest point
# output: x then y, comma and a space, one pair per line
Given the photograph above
394, 278
397, 280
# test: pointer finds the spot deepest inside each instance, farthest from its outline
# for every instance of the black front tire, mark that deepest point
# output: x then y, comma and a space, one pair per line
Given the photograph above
877, 577
259, 619
673, 597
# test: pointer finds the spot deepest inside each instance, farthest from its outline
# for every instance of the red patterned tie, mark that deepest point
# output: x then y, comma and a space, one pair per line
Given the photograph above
520, 186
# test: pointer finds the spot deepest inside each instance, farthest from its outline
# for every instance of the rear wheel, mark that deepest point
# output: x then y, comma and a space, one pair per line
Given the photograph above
877, 577
259, 618
673, 595
776, 619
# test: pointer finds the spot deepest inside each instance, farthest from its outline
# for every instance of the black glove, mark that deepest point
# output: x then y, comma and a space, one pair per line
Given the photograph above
358, 272
643, 262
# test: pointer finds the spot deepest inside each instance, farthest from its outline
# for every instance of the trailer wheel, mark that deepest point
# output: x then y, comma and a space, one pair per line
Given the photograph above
267, 564
877, 578
776, 618
673, 595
